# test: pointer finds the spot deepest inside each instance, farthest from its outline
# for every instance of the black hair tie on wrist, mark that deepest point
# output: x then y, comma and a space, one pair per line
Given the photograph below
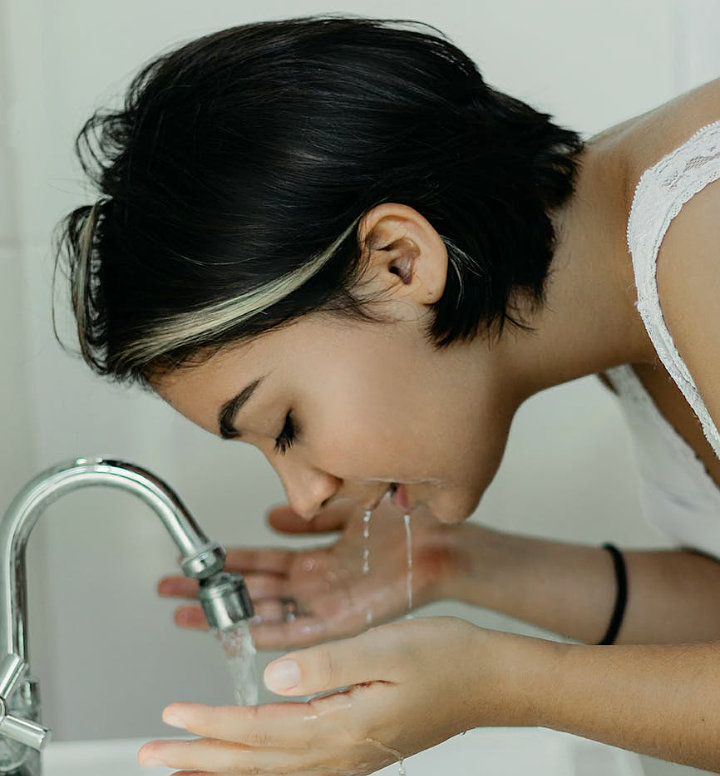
621, 599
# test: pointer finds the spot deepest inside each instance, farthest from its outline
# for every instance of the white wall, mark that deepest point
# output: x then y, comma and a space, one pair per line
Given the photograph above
697, 54
102, 642
18, 453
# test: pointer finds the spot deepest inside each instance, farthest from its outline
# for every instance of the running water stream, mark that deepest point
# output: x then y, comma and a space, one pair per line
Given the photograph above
409, 571
239, 649
409, 587
409, 590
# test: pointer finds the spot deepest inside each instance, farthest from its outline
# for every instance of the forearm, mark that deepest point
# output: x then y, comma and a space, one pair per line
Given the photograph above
569, 589
659, 700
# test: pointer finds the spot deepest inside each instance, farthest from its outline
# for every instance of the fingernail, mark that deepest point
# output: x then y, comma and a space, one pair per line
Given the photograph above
283, 675
170, 718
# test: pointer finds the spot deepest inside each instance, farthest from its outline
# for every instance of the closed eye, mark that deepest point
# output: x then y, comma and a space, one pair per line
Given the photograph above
287, 436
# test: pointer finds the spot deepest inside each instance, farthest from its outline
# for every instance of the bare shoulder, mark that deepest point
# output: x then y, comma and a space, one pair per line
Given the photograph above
688, 266
645, 139
688, 281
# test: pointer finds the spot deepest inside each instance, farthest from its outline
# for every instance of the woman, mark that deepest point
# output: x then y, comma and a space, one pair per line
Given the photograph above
329, 238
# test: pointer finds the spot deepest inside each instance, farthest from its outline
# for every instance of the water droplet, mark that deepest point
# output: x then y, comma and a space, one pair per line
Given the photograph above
366, 556
394, 752
366, 536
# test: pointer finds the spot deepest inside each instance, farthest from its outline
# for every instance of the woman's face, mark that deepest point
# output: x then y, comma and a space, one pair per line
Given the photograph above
342, 409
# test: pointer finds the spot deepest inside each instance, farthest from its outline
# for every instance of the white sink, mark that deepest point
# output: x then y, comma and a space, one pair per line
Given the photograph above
495, 751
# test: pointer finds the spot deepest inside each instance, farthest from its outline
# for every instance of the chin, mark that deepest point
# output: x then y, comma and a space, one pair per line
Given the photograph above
451, 508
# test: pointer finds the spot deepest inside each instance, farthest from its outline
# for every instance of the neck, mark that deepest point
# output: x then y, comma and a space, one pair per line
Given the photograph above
589, 321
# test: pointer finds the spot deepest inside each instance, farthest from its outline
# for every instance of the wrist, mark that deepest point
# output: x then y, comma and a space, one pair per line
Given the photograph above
472, 556
524, 678
448, 557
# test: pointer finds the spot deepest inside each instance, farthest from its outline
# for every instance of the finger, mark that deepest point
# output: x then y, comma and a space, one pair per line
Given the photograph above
200, 773
269, 631
369, 657
271, 726
211, 754
302, 632
275, 610
266, 586
284, 519
190, 617
178, 587
259, 585
266, 560
194, 616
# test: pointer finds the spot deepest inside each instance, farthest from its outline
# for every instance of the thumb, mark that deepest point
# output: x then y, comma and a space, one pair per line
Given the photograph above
330, 666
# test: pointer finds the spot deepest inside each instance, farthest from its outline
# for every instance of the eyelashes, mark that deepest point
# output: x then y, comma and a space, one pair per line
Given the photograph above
287, 436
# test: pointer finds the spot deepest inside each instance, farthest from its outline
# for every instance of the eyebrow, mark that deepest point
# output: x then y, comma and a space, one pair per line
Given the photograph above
228, 411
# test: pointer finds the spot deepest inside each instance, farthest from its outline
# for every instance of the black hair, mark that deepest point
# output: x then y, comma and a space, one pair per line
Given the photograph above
234, 175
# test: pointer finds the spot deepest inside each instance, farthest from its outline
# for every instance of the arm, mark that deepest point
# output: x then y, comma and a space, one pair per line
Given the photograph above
415, 683
659, 700
673, 596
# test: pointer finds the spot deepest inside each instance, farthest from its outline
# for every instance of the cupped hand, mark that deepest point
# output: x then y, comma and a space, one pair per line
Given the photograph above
405, 687
302, 597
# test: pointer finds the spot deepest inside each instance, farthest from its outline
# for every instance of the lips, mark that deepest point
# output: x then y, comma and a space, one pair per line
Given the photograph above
388, 493
375, 504
401, 498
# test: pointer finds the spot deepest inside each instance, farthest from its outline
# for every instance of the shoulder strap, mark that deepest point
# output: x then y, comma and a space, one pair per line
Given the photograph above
660, 194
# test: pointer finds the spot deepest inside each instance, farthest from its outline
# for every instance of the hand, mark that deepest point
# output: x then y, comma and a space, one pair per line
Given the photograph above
410, 685
332, 594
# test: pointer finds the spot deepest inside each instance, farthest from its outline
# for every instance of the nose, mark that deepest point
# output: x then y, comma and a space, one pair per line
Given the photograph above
308, 489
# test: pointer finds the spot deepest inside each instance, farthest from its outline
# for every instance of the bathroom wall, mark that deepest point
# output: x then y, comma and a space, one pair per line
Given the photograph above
17, 446
18, 451
103, 644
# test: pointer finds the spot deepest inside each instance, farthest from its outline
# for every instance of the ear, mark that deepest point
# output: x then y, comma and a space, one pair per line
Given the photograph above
405, 258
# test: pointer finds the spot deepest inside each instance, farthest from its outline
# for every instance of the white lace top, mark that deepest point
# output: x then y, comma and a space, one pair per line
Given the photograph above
679, 497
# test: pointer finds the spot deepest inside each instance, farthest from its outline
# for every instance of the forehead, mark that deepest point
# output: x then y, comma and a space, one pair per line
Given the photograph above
197, 391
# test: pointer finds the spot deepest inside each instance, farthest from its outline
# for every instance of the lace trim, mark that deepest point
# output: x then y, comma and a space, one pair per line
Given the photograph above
630, 389
659, 196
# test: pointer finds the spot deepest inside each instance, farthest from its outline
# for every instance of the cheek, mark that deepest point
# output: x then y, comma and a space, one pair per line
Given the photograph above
360, 419
340, 440
471, 460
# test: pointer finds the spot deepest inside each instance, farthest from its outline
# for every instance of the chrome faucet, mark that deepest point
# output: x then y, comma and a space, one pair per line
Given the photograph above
223, 596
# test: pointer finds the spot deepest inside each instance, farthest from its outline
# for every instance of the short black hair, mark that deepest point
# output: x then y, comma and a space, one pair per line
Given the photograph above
243, 161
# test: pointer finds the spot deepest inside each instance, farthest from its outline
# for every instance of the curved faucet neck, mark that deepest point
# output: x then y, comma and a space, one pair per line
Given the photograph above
200, 557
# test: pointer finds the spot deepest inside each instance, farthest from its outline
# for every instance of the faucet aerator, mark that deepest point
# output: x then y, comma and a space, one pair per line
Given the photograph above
225, 600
